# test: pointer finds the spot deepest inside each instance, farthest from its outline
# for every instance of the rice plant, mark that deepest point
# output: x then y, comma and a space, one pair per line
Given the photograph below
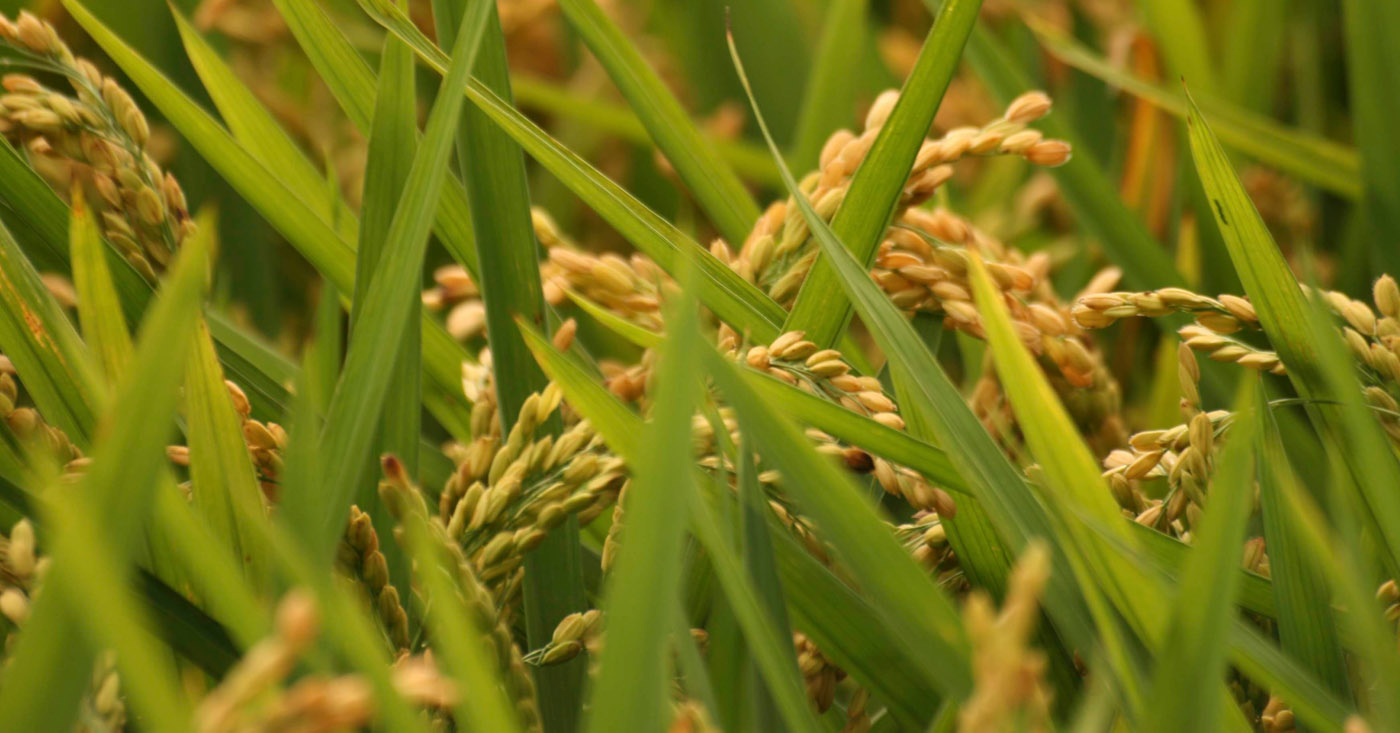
563, 365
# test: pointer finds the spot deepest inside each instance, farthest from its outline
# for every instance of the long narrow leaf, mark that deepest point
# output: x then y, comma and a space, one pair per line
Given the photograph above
1310, 355
1374, 84
748, 160
733, 299
1306, 627
37, 337
48, 670
886, 442
875, 188
757, 547
99, 305
907, 598
986, 472
824, 607
493, 168
251, 123
352, 83
392, 146
284, 208
715, 186
1192, 663
641, 597
828, 100
387, 306
772, 654
225, 485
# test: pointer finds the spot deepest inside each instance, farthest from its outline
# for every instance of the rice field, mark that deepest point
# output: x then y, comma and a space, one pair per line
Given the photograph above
647, 365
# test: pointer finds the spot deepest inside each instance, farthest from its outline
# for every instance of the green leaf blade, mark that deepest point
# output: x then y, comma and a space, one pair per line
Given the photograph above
35, 334
713, 183
99, 305
641, 598
875, 188
251, 123
49, 669
1312, 352
352, 419
1374, 85
1193, 661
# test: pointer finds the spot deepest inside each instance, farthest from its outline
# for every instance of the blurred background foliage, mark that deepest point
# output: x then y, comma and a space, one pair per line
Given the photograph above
1282, 60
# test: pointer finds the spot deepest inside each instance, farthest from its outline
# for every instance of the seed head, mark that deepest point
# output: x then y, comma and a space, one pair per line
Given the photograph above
1049, 153
1028, 107
880, 110
1387, 296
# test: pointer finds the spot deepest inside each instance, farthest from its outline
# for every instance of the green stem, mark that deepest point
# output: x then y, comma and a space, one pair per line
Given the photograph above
493, 169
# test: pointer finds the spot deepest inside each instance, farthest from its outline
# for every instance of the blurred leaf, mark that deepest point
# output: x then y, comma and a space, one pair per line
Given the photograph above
1085, 185
215, 575
346, 627
1180, 31
628, 330
1257, 33
94, 582
217, 579
252, 124
86, 585
38, 339
321, 360
42, 220
224, 484
757, 548
828, 100
719, 192
876, 186
1351, 578
1256, 593
632, 689
99, 306
1306, 626
1373, 78
1330, 165
1193, 659
185, 627
748, 160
